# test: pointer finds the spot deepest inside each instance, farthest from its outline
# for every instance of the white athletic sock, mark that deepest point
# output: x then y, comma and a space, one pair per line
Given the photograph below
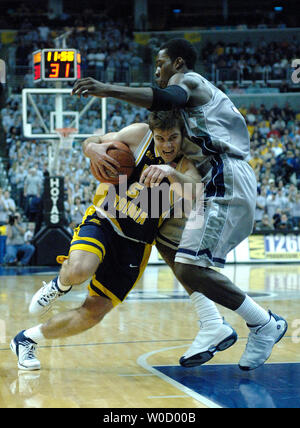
252, 313
62, 287
209, 316
35, 333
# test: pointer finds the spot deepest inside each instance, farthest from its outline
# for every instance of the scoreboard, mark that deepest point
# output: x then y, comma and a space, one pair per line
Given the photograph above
56, 65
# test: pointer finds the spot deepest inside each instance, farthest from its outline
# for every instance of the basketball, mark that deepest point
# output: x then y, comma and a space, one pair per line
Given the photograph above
122, 153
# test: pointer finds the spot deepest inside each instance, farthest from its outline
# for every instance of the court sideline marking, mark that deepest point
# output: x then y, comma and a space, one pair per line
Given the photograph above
142, 361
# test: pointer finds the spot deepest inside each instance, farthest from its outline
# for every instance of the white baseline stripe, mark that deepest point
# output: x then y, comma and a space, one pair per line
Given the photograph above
145, 374
142, 361
167, 396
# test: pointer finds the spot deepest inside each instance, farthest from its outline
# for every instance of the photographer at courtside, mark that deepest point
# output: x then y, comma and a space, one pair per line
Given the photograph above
15, 243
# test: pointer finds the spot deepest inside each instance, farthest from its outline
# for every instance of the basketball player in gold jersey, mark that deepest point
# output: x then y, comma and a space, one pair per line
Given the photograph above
222, 142
112, 250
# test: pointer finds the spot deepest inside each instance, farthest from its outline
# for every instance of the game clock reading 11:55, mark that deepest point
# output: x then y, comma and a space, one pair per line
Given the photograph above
57, 65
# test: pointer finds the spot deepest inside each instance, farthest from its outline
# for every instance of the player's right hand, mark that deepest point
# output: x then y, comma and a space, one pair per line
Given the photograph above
88, 86
101, 161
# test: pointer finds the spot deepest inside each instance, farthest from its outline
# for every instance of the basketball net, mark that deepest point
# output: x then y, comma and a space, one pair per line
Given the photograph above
66, 137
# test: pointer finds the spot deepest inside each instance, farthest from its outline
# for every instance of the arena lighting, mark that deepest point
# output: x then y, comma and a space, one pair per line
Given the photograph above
177, 10
278, 8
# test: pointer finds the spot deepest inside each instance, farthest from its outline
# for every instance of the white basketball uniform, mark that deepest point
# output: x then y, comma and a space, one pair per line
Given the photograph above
218, 143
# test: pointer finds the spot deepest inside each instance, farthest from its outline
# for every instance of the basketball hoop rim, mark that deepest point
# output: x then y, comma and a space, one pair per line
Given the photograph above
66, 132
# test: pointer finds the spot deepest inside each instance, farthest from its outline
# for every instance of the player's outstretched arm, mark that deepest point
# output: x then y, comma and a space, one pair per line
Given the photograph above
142, 97
175, 96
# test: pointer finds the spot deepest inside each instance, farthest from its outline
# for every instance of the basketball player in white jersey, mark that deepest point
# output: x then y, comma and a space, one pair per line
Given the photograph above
220, 133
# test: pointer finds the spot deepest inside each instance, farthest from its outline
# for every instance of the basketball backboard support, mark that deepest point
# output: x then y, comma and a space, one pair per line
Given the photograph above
46, 109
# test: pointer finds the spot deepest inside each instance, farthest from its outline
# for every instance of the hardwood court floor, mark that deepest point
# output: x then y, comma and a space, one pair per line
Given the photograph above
124, 361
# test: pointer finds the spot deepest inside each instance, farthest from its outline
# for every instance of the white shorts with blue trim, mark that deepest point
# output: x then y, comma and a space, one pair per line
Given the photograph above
230, 199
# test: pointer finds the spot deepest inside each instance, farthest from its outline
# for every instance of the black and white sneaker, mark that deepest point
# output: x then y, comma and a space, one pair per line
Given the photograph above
24, 348
207, 343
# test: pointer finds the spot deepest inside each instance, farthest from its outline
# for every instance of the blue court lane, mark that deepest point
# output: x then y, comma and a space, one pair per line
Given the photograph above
270, 386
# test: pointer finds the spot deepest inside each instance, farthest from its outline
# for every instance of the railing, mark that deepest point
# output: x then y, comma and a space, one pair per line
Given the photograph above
226, 74
144, 74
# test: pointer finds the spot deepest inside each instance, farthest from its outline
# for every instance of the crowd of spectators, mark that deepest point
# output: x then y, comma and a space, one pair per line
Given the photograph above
275, 158
251, 61
108, 50
110, 53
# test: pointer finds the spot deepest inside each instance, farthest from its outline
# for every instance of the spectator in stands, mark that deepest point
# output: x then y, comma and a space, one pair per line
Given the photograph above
15, 243
287, 171
264, 225
35, 208
261, 202
256, 162
116, 118
275, 170
295, 209
283, 201
284, 224
8, 121
292, 192
111, 63
77, 211
20, 176
135, 66
77, 193
272, 205
12, 134
32, 187
276, 219
91, 60
273, 132
4, 211
10, 203
29, 234
264, 127
99, 59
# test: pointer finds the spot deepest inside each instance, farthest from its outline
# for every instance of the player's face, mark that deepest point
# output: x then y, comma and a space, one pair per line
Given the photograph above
168, 143
164, 69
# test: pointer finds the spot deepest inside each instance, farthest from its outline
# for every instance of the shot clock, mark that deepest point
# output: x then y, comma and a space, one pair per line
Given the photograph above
56, 65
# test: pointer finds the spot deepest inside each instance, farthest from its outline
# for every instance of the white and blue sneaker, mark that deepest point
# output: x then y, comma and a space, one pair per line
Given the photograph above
24, 348
43, 299
207, 343
261, 341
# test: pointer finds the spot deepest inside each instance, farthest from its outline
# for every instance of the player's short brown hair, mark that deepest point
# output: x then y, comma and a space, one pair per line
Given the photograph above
165, 120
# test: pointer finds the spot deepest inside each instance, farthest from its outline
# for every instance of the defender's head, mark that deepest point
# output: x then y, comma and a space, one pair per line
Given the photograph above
174, 56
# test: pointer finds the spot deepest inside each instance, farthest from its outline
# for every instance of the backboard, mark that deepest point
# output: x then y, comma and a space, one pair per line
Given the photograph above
46, 109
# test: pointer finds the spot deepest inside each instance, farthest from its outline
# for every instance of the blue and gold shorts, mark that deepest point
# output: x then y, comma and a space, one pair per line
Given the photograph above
122, 261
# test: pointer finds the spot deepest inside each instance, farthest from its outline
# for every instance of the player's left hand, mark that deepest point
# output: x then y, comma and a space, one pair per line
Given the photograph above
154, 174
89, 86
